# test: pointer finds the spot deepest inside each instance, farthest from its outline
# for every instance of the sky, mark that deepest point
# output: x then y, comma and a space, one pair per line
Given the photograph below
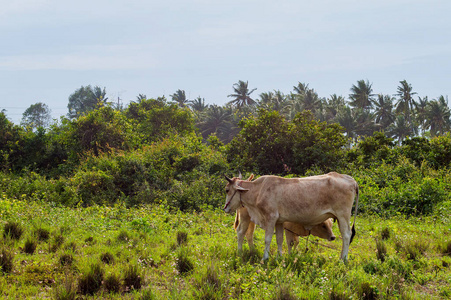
50, 48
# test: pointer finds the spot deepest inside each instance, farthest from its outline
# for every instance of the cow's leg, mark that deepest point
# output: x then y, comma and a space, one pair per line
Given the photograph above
345, 230
279, 237
269, 231
250, 235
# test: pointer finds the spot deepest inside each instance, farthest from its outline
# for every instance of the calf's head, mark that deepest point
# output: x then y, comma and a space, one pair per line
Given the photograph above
324, 230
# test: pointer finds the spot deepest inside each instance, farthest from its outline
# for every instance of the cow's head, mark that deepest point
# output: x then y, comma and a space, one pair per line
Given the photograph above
324, 230
233, 191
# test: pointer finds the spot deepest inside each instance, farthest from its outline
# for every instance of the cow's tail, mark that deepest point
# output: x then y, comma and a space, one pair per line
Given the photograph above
355, 211
237, 219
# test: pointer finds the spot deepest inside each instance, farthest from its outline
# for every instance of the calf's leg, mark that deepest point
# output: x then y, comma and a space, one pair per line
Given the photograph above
250, 235
241, 231
290, 238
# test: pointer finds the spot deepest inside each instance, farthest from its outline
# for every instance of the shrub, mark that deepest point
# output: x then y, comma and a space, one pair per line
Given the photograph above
283, 293
209, 286
123, 236
381, 250
415, 249
148, 295
112, 283
107, 258
13, 230
367, 292
30, 246
183, 264
57, 242
132, 278
66, 290
182, 238
89, 240
91, 281
6, 260
95, 187
385, 233
72, 246
66, 259
447, 249
42, 234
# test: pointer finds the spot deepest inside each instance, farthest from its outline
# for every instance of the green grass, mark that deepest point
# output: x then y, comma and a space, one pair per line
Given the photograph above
136, 254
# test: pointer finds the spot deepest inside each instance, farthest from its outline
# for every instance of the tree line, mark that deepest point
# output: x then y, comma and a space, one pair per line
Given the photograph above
157, 151
403, 114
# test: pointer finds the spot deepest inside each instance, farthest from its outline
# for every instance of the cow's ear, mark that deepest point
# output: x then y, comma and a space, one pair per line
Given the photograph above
241, 189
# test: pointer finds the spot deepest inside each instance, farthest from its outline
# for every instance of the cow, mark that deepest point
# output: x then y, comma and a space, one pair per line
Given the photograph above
244, 227
309, 201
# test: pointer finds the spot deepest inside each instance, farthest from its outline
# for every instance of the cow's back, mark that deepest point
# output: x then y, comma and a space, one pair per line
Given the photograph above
307, 200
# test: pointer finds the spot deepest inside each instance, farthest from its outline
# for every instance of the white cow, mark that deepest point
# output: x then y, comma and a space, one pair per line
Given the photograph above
272, 200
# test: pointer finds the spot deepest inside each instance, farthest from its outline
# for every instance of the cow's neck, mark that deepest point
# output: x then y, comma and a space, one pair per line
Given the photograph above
248, 200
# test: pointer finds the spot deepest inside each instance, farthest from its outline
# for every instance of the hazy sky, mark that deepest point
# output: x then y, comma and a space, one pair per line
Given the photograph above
50, 48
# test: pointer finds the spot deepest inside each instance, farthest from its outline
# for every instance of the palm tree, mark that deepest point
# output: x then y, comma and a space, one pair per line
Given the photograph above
400, 129
179, 97
241, 94
217, 120
438, 116
346, 118
266, 98
421, 107
384, 110
333, 106
301, 88
198, 104
275, 101
141, 97
406, 103
366, 124
361, 96
311, 101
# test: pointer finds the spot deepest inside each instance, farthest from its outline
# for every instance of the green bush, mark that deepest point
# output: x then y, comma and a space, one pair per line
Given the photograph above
95, 187
388, 189
269, 144
181, 171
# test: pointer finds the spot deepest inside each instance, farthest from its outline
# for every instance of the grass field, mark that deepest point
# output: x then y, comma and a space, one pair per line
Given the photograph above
151, 253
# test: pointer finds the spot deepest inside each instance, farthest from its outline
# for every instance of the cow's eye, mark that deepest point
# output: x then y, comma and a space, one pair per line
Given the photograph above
227, 191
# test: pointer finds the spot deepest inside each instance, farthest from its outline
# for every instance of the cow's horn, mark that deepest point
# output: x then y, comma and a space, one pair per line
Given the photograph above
239, 175
228, 179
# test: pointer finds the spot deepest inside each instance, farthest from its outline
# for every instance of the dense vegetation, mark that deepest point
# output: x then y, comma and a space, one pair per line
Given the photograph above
124, 202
